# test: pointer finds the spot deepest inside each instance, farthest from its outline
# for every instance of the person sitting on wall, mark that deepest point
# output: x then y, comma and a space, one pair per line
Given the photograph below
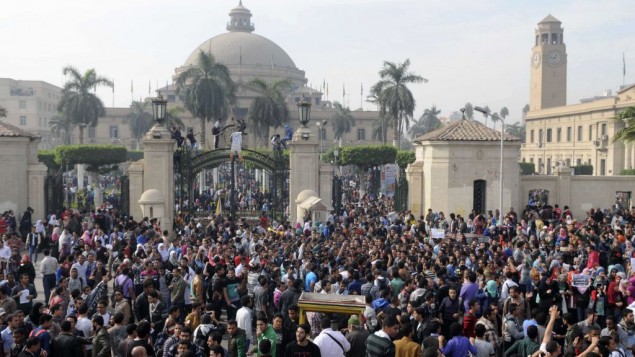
288, 135
276, 143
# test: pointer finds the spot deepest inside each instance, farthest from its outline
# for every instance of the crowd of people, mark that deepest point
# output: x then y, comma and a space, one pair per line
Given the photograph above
536, 282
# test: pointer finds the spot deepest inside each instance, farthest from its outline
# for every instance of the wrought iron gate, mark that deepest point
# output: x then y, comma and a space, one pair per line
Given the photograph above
54, 192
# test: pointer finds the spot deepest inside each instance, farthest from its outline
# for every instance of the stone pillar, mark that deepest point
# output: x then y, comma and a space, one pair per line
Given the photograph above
564, 185
81, 169
632, 155
414, 176
36, 175
135, 182
304, 167
326, 185
158, 173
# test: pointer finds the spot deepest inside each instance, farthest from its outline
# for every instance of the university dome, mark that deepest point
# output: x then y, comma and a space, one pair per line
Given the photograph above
241, 47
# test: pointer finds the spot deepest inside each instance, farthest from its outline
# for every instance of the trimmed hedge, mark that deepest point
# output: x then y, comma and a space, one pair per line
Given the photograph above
527, 168
47, 157
365, 156
583, 169
93, 156
135, 155
627, 172
405, 158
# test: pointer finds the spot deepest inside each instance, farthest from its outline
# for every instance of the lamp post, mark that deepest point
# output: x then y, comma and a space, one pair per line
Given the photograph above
304, 112
487, 113
159, 109
320, 125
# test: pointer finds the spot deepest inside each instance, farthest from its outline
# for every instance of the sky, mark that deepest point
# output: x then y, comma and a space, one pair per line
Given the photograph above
470, 51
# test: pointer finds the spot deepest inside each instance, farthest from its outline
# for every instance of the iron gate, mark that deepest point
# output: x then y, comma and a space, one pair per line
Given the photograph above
54, 192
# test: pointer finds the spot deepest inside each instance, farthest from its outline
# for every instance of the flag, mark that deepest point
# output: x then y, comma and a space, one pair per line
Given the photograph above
149, 87
327, 90
219, 208
362, 89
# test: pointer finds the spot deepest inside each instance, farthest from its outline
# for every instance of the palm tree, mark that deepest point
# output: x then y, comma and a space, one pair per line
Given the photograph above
380, 128
525, 110
627, 133
62, 126
80, 105
139, 120
504, 112
3, 112
394, 97
209, 90
517, 129
428, 122
469, 110
486, 114
495, 119
172, 117
269, 109
342, 121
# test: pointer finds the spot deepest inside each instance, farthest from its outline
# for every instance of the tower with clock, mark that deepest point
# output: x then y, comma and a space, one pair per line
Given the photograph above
548, 87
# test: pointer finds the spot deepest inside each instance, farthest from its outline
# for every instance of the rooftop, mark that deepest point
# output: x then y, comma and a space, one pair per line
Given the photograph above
465, 130
8, 130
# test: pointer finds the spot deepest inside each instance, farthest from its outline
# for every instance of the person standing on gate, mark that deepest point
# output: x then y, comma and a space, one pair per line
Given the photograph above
216, 133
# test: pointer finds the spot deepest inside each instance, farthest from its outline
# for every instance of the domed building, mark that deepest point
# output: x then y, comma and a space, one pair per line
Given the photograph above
248, 56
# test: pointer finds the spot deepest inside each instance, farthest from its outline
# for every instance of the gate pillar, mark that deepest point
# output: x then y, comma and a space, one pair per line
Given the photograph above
304, 173
158, 171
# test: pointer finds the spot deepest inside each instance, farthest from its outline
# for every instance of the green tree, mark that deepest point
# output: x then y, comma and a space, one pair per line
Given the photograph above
517, 129
627, 133
62, 126
79, 101
504, 112
139, 120
428, 122
269, 108
380, 128
469, 110
394, 97
486, 114
173, 118
3, 112
342, 120
209, 90
525, 110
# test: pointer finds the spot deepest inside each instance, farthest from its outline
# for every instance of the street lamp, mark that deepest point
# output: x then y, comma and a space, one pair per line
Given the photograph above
304, 111
321, 125
487, 113
159, 109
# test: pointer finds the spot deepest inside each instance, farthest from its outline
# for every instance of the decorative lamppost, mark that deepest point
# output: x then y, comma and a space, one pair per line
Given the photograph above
159, 106
304, 111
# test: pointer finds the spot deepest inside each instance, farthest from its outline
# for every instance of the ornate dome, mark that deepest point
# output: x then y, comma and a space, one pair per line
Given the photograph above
240, 47
243, 48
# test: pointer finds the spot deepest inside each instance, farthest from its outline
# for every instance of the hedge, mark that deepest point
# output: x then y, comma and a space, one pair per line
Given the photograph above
627, 172
405, 158
583, 169
527, 168
47, 157
91, 155
135, 155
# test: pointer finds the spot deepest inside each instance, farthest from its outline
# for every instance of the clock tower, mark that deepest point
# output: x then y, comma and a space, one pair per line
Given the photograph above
548, 87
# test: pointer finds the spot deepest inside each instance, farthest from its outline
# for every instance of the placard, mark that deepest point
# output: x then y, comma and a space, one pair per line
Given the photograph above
581, 282
437, 233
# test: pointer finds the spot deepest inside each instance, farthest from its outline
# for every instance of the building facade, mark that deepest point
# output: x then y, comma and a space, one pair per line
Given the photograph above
560, 135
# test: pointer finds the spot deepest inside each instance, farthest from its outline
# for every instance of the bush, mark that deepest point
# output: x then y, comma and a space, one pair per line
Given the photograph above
405, 158
135, 155
365, 156
47, 157
627, 172
583, 169
93, 156
527, 168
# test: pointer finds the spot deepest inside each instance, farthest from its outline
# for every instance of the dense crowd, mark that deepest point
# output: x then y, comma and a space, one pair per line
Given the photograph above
536, 282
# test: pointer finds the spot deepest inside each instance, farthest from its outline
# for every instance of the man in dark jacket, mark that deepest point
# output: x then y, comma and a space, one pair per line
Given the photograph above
290, 296
142, 306
101, 339
236, 346
66, 344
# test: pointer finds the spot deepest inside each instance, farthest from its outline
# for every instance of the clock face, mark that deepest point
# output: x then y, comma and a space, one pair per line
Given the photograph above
536, 59
554, 58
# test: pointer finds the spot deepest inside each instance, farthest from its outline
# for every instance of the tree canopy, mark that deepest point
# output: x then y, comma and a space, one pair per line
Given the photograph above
268, 109
94, 156
342, 120
626, 134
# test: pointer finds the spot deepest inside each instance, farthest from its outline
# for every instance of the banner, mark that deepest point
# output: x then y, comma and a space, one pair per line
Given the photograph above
390, 179
581, 282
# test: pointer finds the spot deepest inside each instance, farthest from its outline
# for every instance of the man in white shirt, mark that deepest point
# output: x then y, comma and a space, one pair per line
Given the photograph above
508, 283
331, 342
244, 318
82, 268
84, 324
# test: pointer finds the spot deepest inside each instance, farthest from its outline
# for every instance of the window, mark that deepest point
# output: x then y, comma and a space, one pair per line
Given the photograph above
531, 136
549, 166
361, 134
114, 132
545, 38
554, 38
91, 132
590, 132
22, 104
22, 120
578, 162
559, 134
603, 167
569, 133
322, 133
603, 128
540, 136
548, 135
537, 39
580, 133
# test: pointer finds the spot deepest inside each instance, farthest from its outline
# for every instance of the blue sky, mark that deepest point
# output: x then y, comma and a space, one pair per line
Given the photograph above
477, 51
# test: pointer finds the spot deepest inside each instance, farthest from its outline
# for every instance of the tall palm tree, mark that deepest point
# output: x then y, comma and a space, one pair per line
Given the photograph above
139, 120
395, 99
627, 133
209, 90
428, 122
269, 108
517, 129
486, 114
525, 110
495, 118
62, 126
380, 128
172, 117
342, 120
504, 112
3, 112
79, 101
469, 110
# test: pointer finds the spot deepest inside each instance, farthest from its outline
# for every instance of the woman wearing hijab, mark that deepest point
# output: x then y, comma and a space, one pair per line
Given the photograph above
34, 317
26, 267
164, 252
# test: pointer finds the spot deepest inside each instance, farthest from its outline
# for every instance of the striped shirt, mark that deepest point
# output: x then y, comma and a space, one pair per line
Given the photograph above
380, 345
